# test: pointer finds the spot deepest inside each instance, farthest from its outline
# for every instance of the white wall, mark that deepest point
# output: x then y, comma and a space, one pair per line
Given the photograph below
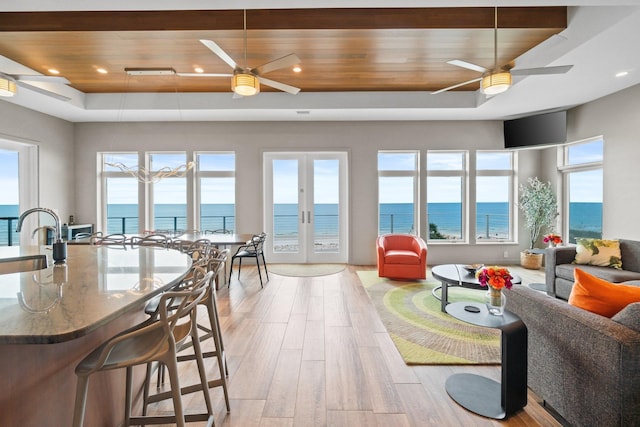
617, 118
361, 139
54, 139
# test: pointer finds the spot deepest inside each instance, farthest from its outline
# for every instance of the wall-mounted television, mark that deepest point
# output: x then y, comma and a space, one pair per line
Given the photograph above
538, 130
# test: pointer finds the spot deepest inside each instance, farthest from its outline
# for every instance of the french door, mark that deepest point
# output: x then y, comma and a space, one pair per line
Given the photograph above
305, 209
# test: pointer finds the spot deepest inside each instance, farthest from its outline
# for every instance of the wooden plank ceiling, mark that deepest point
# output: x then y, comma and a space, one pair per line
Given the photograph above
340, 49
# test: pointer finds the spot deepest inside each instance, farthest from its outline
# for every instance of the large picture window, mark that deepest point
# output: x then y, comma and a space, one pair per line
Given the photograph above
446, 194
397, 191
169, 194
120, 193
494, 195
216, 191
583, 188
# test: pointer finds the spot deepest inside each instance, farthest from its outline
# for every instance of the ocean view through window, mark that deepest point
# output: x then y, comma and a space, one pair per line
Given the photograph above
9, 197
583, 183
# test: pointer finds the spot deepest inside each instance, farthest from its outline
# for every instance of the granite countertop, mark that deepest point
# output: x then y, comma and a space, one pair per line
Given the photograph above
93, 287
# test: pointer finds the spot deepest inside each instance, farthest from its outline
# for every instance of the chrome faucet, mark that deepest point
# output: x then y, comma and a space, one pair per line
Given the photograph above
59, 247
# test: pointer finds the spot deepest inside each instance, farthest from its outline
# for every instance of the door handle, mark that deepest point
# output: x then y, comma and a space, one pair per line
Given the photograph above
309, 217
302, 217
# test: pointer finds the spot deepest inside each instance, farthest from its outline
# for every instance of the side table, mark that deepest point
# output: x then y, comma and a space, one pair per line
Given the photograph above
482, 395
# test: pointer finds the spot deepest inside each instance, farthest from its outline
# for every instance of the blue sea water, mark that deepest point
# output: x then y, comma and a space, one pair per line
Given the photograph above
492, 218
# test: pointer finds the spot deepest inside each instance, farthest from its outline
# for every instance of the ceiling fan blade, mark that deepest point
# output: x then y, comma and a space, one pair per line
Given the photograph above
42, 91
41, 78
286, 61
281, 86
542, 70
203, 75
221, 53
467, 65
455, 86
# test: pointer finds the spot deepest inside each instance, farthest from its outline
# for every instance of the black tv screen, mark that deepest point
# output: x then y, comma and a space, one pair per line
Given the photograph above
532, 131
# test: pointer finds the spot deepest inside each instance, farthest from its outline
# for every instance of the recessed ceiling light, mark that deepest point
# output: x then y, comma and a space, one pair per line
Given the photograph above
53, 71
101, 70
297, 69
198, 70
622, 73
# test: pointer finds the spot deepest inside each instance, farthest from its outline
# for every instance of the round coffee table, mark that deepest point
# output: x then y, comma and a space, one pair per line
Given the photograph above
457, 275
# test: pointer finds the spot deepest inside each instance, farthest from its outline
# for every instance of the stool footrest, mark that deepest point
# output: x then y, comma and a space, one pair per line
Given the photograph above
171, 419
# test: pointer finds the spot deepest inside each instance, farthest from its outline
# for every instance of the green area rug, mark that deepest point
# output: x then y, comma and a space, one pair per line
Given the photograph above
423, 334
305, 270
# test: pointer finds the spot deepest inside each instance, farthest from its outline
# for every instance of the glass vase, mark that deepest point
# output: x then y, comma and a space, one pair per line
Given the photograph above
495, 301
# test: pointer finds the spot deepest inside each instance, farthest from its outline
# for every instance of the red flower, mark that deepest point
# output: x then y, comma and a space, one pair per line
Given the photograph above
496, 277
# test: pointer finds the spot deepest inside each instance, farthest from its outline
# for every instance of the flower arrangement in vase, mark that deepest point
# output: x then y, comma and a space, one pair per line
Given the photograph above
552, 239
496, 279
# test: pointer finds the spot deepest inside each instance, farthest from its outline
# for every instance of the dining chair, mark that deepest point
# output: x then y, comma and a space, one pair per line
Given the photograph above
218, 231
110, 239
155, 340
253, 248
151, 240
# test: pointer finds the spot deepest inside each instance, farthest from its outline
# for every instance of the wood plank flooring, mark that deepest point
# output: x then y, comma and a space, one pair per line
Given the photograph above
311, 351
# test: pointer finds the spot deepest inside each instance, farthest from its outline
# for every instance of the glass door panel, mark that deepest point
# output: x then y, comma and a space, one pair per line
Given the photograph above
326, 202
285, 209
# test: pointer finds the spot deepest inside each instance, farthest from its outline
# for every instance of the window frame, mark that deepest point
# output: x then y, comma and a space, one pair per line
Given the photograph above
566, 170
463, 174
102, 201
402, 173
512, 196
200, 174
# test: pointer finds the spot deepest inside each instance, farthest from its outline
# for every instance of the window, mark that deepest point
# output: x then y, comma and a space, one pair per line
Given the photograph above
397, 191
494, 195
216, 191
9, 197
120, 191
446, 194
169, 195
583, 190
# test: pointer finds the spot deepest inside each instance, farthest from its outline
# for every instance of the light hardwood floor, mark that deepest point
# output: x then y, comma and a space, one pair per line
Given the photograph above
313, 352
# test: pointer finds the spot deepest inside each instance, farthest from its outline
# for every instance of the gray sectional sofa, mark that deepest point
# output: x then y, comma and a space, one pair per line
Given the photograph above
584, 366
559, 269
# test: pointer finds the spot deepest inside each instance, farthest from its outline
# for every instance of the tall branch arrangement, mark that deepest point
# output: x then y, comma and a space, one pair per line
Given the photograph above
540, 208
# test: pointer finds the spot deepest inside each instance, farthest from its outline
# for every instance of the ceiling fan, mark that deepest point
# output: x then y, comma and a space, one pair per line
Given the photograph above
9, 83
498, 80
246, 81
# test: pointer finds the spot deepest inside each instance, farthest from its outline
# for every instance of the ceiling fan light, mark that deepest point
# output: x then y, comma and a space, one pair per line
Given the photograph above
7, 87
495, 83
245, 84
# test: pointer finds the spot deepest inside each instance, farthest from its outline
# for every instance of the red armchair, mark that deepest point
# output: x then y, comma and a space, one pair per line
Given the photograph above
402, 256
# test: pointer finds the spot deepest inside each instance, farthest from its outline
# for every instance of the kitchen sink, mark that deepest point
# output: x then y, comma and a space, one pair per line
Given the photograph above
23, 264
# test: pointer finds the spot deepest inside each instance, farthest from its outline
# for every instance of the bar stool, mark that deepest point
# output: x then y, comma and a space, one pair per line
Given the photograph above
211, 331
152, 341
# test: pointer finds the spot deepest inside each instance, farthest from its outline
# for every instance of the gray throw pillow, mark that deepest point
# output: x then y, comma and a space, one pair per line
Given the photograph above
629, 316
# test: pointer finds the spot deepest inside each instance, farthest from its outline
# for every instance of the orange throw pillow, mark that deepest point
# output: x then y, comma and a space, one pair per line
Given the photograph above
599, 296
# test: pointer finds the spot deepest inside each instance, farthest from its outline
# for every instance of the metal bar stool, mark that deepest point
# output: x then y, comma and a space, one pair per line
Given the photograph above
152, 341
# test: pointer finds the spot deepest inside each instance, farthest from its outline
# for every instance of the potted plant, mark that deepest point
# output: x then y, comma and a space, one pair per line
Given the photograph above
540, 209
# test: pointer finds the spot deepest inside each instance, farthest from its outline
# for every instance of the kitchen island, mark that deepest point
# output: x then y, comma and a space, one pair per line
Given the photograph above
51, 318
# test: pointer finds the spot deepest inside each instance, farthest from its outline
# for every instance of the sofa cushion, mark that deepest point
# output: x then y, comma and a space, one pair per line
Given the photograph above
600, 252
400, 256
600, 296
566, 271
629, 316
